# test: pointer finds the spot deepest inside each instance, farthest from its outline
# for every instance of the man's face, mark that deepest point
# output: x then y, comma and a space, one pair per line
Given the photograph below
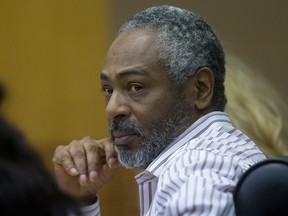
144, 110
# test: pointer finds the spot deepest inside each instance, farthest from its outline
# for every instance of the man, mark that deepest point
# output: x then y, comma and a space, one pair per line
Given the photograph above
163, 84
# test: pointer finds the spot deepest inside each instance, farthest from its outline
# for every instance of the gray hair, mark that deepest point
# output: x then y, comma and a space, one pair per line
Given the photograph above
185, 43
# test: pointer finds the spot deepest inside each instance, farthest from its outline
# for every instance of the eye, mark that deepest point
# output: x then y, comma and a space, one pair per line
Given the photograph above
107, 90
135, 87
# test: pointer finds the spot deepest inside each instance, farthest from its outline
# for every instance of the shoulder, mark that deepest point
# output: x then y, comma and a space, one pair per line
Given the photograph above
196, 181
225, 152
201, 175
228, 143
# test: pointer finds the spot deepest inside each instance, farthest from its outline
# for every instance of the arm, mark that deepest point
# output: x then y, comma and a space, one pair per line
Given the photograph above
84, 166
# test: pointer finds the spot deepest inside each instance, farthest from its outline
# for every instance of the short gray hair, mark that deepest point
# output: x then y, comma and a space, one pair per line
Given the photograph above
185, 44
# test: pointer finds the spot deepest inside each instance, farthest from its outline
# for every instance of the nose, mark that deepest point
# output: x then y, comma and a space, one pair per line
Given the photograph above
117, 106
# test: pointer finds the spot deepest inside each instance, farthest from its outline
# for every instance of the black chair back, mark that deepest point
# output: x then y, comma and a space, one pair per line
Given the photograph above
263, 189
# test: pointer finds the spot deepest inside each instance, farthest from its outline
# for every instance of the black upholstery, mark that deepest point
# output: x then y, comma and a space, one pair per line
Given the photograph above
263, 189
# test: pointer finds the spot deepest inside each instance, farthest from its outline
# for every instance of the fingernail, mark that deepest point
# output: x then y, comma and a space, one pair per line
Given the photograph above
93, 176
83, 179
73, 171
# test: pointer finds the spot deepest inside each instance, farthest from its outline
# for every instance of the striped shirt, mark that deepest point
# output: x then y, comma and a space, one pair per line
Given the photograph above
196, 174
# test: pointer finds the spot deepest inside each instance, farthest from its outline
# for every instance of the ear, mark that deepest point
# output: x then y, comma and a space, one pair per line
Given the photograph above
204, 85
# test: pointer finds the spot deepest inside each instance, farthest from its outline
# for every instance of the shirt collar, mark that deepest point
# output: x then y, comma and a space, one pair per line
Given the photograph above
200, 126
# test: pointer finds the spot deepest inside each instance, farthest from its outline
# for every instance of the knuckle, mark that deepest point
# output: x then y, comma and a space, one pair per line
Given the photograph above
91, 147
64, 158
87, 139
74, 143
78, 154
59, 149
60, 154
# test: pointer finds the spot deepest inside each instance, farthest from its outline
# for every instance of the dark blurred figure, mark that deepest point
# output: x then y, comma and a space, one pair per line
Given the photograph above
26, 186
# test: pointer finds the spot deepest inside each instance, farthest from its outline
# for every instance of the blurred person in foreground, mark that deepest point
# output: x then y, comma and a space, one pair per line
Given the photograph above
163, 81
26, 187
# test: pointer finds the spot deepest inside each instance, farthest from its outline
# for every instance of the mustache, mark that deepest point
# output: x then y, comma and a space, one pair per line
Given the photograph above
125, 126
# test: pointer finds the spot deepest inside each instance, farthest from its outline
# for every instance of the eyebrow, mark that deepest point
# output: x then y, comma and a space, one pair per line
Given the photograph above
124, 74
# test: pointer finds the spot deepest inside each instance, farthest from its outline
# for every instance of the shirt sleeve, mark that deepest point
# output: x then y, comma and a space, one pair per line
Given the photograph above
91, 210
197, 187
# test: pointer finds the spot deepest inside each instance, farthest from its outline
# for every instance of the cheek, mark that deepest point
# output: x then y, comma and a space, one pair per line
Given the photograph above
148, 116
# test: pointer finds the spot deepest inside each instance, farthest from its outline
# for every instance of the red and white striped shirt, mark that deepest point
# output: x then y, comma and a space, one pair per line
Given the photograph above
196, 174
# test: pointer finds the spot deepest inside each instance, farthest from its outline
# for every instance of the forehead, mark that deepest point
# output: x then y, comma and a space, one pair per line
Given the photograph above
135, 49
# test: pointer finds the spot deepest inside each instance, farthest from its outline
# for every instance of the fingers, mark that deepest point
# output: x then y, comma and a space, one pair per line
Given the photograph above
110, 153
78, 154
94, 156
99, 153
62, 157
86, 157
81, 167
94, 153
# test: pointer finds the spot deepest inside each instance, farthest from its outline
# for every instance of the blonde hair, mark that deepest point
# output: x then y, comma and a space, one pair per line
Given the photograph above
256, 108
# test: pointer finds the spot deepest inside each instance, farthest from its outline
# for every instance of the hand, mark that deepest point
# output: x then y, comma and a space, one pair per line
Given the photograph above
84, 166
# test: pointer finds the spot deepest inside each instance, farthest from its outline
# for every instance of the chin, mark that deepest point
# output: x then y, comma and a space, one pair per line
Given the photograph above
130, 159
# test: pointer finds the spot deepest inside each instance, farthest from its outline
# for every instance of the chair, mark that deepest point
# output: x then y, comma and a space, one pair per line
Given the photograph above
263, 189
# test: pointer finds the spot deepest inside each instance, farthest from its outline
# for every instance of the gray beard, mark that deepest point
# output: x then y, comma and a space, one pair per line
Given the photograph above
162, 134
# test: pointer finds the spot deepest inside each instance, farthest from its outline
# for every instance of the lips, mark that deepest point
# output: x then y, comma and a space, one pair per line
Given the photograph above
122, 138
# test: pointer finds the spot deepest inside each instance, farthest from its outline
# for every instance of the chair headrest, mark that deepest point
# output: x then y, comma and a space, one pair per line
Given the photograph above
263, 189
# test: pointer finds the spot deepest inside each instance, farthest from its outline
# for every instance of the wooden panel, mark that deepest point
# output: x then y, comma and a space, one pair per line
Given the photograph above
50, 56
51, 53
